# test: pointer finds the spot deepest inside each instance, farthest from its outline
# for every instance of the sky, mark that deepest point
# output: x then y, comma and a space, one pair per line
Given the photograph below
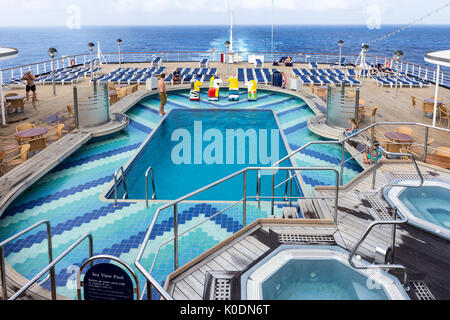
79, 13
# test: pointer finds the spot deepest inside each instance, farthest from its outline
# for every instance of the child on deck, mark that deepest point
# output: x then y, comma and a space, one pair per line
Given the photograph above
354, 129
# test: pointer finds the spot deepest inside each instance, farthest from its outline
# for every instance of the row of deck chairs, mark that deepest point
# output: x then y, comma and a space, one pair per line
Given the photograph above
403, 81
259, 75
324, 77
67, 75
131, 75
189, 74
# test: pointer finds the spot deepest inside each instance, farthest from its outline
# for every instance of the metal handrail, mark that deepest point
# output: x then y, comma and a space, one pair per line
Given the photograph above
115, 186
50, 257
149, 170
381, 266
150, 280
56, 261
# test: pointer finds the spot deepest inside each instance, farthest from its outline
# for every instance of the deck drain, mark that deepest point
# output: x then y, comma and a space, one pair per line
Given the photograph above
222, 289
317, 238
410, 176
218, 285
421, 290
379, 208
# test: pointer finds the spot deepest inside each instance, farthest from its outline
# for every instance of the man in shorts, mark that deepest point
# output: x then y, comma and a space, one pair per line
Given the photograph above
31, 86
162, 94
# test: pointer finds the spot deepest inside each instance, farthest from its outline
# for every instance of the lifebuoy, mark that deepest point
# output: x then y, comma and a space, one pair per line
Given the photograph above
388, 64
72, 62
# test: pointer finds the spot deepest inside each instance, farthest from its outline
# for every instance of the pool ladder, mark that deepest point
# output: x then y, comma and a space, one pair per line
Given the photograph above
125, 195
149, 171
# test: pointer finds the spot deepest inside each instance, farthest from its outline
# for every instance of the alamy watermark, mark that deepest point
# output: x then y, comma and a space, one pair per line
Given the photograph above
73, 20
237, 146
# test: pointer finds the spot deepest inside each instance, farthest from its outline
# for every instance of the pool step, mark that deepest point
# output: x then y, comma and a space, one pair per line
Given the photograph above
308, 209
290, 213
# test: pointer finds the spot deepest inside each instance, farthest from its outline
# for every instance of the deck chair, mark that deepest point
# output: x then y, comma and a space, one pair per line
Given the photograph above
16, 156
37, 144
55, 133
442, 151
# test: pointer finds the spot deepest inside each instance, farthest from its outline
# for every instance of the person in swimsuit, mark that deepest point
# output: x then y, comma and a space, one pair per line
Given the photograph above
354, 129
31, 86
369, 157
162, 94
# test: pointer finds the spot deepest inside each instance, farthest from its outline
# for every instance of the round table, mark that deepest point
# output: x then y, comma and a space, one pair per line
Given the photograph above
398, 136
432, 101
14, 98
31, 133
439, 161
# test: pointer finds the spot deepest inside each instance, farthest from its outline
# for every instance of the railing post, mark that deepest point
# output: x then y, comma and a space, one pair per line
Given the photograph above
375, 168
50, 260
336, 200
342, 163
425, 147
273, 193
244, 206
258, 189
394, 230
3, 274
175, 235
290, 190
286, 187
75, 105
149, 290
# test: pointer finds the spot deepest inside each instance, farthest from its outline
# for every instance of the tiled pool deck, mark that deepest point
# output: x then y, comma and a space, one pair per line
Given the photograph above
69, 197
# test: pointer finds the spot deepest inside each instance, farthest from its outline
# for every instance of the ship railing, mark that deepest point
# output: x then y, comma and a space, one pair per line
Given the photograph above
44, 67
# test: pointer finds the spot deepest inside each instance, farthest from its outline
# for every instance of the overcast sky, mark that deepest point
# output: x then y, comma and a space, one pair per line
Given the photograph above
207, 12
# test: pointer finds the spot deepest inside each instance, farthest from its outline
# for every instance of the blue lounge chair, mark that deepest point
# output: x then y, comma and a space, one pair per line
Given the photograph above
250, 75
240, 75
314, 72
268, 75
351, 73
204, 63
383, 82
324, 80
259, 76
353, 81
156, 63
313, 65
305, 80
315, 81
212, 72
259, 63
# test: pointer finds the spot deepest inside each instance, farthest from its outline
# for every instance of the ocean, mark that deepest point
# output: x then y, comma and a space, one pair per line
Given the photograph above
33, 43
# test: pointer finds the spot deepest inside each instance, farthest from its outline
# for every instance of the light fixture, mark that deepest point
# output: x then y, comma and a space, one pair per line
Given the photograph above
52, 52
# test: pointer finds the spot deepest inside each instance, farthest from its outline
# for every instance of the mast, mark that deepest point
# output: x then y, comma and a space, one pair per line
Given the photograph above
231, 29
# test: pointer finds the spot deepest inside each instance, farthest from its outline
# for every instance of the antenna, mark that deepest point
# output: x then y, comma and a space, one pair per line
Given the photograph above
230, 9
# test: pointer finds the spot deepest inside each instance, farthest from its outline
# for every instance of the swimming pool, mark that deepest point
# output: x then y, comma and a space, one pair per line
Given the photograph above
194, 148
69, 196
316, 273
426, 207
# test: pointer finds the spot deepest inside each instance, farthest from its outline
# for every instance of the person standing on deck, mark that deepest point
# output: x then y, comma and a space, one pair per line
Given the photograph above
162, 94
31, 86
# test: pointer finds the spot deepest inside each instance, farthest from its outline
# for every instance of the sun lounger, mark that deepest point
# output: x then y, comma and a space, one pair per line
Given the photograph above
250, 75
267, 75
156, 63
259, 76
240, 75
204, 63
313, 65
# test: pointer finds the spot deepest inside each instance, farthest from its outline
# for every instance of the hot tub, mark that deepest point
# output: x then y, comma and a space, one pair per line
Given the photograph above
316, 273
426, 207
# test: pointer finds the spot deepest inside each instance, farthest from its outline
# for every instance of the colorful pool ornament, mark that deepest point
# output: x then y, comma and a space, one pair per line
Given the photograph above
252, 90
195, 90
214, 88
233, 94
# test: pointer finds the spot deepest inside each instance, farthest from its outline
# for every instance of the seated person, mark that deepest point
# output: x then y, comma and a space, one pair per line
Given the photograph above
373, 71
369, 157
176, 76
354, 129
288, 61
389, 71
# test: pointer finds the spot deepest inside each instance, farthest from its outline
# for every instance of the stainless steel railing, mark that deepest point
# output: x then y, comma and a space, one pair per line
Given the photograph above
149, 171
151, 282
116, 204
50, 257
51, 266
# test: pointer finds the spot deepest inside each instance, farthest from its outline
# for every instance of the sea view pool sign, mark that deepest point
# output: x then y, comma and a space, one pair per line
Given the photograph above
106, 281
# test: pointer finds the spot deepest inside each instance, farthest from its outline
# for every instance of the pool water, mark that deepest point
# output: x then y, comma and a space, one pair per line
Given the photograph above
192, 160
430, 203
319, 280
